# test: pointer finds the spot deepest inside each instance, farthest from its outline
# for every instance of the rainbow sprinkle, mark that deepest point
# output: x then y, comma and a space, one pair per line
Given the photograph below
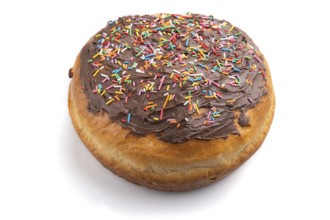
198, 63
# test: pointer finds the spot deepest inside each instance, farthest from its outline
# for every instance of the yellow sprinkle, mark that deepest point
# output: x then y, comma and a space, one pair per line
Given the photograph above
195, 84
167, 87
119, 62
96, 55
116, 97
98, 35
187, 97
178, 125
196, 107
166, 100
149, 103
209, 96
110, 100
117, 92
216, 115
156, 119
96, 72
201, 51
232, 27
171, 76
103, 93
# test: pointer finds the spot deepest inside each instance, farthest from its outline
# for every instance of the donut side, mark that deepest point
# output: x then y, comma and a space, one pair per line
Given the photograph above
148, 161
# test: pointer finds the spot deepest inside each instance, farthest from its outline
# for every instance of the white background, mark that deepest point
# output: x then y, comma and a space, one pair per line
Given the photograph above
47, 173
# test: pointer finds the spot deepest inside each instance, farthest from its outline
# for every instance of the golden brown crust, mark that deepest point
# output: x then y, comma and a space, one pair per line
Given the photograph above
148, 161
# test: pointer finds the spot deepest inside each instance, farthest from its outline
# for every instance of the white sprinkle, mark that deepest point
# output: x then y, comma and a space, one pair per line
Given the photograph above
196, 74
139, 71
105, 76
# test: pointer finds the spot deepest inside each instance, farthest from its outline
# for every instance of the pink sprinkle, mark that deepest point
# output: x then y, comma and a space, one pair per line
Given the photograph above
257, 58
133, 83
161, 113
220, 96
250, 51
126, 98
94, 91
216, 84
104, 80
161, 82
155, 77
208, 115
109, 87
174, 85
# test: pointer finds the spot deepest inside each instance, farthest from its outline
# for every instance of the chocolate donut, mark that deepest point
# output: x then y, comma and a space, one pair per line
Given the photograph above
171, 102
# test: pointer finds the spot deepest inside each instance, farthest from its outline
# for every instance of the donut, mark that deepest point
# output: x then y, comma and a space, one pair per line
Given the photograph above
171, 102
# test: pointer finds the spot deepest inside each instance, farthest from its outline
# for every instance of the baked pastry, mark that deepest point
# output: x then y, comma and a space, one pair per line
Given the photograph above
171, 102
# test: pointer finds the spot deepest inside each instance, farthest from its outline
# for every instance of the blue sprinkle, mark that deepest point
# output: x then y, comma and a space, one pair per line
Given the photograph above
128, 117
202, 65
236, 69
225, 49
116, 71
187, 42
150, 55
111, 22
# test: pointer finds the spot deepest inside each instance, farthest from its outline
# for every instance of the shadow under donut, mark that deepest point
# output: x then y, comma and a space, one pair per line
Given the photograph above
100, 186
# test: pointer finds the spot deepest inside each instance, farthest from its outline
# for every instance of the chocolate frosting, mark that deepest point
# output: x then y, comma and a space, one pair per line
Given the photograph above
181, 77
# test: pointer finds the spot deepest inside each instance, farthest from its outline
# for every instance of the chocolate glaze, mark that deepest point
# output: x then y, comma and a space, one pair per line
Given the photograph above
236, 85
